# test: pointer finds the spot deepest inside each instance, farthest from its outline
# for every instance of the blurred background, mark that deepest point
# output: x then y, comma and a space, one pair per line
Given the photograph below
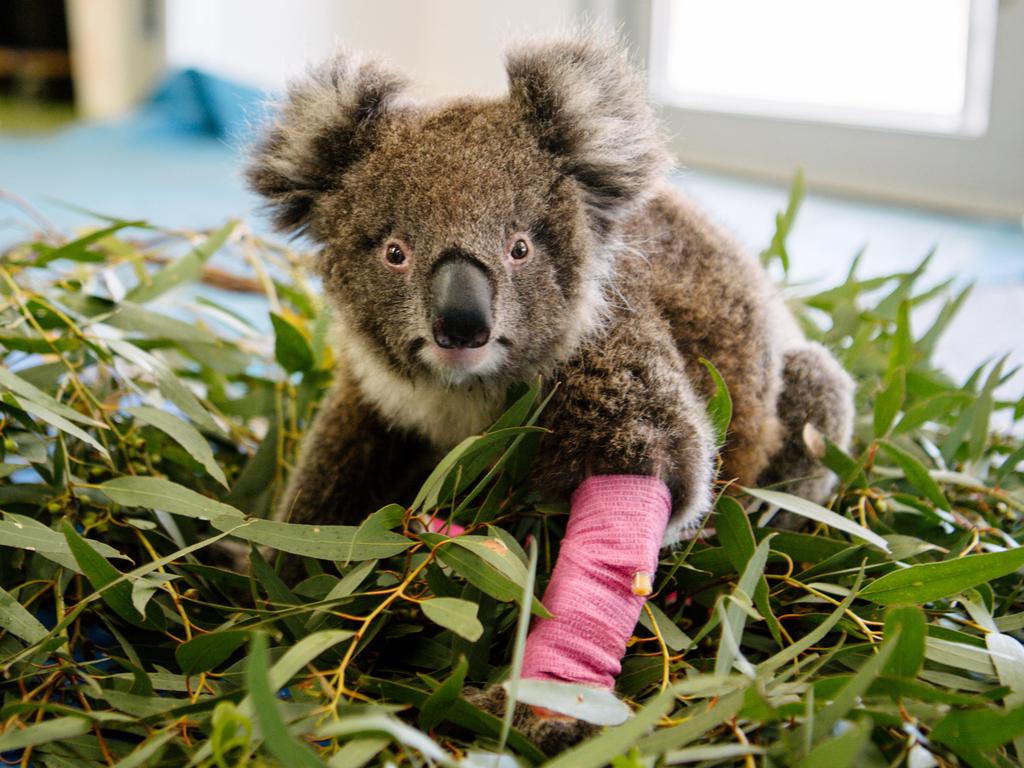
906, 116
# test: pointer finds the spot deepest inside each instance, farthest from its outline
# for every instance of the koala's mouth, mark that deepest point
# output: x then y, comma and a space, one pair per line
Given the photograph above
454, 365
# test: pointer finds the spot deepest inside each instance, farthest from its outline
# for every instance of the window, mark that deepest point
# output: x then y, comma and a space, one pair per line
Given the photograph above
889, 63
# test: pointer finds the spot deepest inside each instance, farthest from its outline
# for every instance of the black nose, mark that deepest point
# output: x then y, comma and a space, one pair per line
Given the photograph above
461, 303
459, 330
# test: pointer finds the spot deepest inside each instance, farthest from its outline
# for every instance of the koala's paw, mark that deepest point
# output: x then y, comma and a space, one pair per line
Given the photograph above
551, 733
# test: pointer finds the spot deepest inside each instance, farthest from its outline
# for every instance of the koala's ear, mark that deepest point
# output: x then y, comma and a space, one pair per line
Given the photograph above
326, 122
587, 106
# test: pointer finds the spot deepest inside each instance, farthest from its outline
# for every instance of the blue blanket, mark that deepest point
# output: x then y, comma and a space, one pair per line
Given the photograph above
175, 161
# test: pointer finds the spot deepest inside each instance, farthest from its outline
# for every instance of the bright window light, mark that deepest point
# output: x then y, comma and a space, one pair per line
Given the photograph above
864, 61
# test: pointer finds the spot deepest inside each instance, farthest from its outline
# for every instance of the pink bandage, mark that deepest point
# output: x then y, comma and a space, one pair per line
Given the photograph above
615, 531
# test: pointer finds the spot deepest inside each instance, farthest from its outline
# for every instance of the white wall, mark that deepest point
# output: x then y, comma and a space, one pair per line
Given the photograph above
446, 47
117, 53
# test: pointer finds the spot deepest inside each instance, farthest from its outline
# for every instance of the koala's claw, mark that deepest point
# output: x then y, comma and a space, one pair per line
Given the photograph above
550, 733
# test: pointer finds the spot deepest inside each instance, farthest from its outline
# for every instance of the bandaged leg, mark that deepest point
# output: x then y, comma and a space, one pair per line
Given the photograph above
601, 580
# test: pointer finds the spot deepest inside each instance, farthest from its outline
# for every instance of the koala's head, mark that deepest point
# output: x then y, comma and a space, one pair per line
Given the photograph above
469, 241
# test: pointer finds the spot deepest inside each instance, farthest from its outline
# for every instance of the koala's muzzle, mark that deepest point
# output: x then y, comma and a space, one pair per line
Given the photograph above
460, 292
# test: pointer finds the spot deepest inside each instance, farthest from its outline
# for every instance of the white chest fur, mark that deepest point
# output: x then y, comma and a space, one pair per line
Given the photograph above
443, 415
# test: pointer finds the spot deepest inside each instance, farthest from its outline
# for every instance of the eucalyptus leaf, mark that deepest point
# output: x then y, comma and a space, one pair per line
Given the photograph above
819, 514
205, 652
184, 434
928, 582
279, 741
18, 621
457, 615
328, 542
164, 495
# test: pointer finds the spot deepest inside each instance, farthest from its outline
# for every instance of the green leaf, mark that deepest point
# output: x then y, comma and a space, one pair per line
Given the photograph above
1008, 657
909, 624
719, 405
291, 347
584, 702
436, 707
791, 652
842, 751
168, 382
281, 597
143, 755
595, 752
699, 720
139, 706
100, 573
917, 475
396, 729
26, 533
928, 582
901, 352
301, 654
850, 694
186, 269
46, 732
184, 434
478, 572
78, 250
16, 619
28, 391
712, 752
983, 413
204, 652
734, 616
819, 514
345, 587
283, 670
275, 733
937, 407
54, 419
358, 752
784, 224
457, 615
737, 537
850, 471
325, 542
979, 730
373, 527
157, 493
488, 564
674, 637
143, 324
515, 673
1009, 465
495, 552
889, 401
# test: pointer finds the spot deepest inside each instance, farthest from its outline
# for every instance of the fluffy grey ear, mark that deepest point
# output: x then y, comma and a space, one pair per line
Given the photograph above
326, 122
587, 106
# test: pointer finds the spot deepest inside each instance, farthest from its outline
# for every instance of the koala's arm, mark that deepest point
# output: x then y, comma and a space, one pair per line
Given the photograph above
625, 406
632, 443
350, 463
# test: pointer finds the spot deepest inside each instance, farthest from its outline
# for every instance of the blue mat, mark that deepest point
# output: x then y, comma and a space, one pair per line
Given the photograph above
176, 161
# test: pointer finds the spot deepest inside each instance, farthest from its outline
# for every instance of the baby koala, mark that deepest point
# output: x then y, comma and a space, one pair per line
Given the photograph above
480, 243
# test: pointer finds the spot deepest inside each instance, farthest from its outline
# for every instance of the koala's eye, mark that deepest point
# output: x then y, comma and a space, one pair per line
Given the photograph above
395, 255
520, 250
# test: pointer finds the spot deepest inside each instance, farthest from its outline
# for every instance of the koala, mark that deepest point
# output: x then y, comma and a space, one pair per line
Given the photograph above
468, 246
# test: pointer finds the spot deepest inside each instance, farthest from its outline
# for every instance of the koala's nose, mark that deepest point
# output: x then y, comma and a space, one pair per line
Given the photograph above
461, 303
